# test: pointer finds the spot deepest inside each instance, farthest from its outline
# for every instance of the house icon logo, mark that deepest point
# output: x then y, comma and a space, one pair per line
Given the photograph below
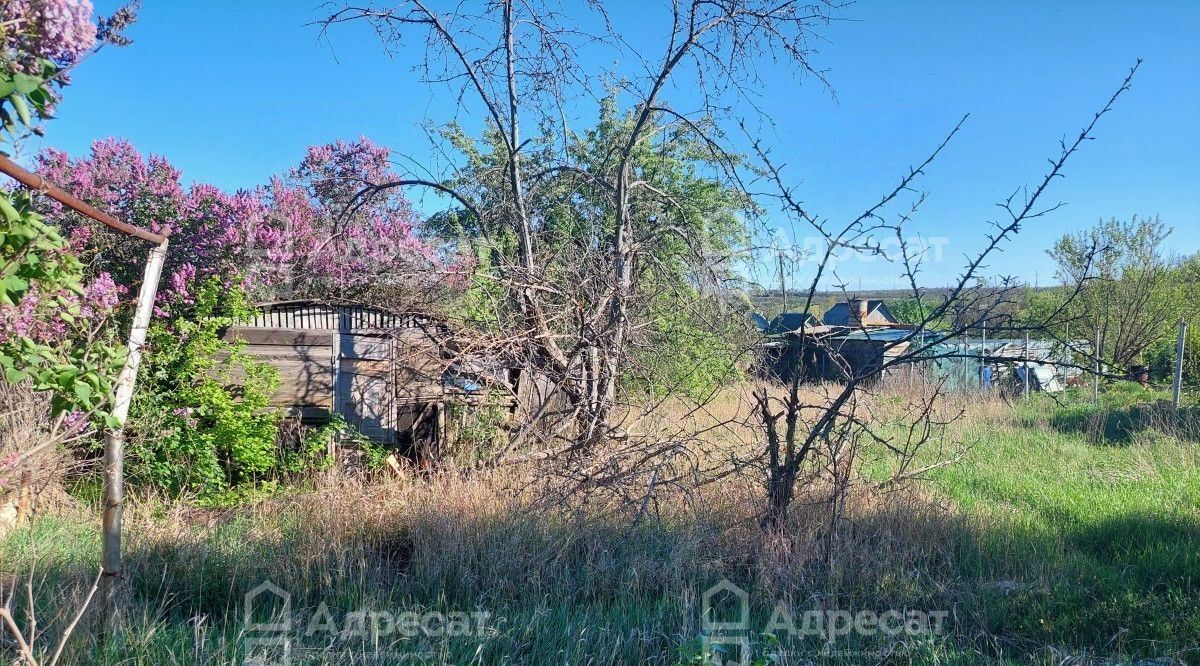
725, 624
267, 626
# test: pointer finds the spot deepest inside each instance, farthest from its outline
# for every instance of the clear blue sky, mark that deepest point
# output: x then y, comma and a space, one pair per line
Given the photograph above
233, 92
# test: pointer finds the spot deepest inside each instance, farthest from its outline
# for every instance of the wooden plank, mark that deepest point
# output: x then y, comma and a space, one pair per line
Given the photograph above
309, 413
314, 353
369, 367
305, 373
364, 393
276, 336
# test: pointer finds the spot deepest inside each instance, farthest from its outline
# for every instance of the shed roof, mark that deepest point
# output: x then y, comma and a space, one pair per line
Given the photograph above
788, 322
887, 334
316, 315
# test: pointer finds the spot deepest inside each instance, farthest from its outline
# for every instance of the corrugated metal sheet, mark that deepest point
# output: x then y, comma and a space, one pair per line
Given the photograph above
789, 322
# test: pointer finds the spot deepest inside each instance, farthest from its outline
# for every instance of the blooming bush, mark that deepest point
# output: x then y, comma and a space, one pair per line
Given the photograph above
320, 238
52, 318
40, 41
57, 30
201, 420
297, 236
117, 179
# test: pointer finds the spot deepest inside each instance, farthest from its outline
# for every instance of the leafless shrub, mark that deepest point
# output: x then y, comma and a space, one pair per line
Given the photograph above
577, 307
33, 458
808, 438
33, 465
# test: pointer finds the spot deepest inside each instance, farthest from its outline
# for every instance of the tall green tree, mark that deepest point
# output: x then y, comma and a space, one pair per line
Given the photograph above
575, 241
1131, 295
687, 221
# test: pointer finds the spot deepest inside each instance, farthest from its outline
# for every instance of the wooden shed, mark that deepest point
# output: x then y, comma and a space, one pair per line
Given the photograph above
385, 373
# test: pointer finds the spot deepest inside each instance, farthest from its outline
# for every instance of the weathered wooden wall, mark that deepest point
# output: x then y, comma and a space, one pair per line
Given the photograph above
354, 361
305, 363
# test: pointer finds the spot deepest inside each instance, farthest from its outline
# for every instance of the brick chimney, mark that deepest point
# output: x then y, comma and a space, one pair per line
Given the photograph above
858, 312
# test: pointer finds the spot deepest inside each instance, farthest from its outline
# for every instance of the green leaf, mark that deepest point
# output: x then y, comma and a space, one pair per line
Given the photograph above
14, 285
10, 211
27, 83
21, 107
14, 376
44, 379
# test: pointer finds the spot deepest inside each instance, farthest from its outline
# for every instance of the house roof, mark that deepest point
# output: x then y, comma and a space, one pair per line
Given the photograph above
788, 322
839, 314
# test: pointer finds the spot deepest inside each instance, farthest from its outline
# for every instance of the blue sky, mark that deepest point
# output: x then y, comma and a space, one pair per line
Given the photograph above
232, 92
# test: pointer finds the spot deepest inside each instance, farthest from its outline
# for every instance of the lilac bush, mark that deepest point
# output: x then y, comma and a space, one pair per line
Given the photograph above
48, 319
58, 30
293, 236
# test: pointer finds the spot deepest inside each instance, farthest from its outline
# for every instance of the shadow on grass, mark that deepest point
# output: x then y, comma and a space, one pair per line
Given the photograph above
563, 589
1126, 586
1121, 425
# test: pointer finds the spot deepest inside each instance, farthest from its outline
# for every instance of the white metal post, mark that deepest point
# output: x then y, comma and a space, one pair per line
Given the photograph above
114, 438
1096, 375
1177, 385
1026, 373
983, 355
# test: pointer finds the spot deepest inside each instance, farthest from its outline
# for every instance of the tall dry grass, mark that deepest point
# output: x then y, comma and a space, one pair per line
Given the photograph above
580, 582
550, 576
32, 460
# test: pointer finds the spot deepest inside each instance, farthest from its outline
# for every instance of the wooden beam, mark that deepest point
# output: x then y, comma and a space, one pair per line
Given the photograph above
114, 438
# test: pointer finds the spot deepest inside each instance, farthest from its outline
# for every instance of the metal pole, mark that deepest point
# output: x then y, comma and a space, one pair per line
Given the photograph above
982, 352
114, 438
782, 283
1096, 374
1177, 386
1026, 373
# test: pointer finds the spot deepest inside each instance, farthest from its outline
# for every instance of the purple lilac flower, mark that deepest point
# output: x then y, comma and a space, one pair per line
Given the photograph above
74, 421
61, 30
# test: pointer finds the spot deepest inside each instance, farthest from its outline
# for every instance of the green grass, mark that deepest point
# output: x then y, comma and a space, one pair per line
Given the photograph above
1051, 543
1097, 544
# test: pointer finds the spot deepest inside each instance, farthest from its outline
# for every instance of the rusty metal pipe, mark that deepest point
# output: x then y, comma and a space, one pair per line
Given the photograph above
36, 182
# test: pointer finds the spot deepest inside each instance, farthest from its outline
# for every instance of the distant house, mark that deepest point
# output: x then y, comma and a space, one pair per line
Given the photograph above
860, 313
855, 337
